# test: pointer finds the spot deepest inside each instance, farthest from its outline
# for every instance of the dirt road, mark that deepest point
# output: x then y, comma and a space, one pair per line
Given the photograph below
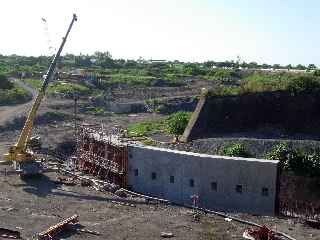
7, 113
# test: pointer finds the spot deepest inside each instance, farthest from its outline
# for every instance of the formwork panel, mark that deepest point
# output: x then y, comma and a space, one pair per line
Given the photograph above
102, 157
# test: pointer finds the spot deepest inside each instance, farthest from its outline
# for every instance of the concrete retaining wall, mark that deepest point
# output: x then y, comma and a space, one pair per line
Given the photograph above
224, 183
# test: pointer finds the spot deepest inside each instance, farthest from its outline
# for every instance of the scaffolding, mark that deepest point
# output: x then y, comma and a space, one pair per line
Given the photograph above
102, 154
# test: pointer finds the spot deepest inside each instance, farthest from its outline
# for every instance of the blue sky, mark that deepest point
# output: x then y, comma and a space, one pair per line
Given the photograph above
190, 30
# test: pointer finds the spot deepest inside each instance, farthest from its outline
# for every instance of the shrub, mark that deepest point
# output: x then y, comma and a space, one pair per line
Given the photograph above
153, 105
14, 95
316, 73
222, 74
303, 84
98, 111
149, 142
224, 91
296, 161
280, 152
68, 89
236, 150
177, 122
5, 83
314, 163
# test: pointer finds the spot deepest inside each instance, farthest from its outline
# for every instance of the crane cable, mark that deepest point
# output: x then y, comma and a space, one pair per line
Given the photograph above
51, 49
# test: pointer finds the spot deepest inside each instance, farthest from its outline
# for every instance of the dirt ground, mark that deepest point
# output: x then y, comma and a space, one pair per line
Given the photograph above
32, 205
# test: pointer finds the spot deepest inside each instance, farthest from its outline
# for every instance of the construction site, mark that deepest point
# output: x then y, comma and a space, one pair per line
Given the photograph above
76, 175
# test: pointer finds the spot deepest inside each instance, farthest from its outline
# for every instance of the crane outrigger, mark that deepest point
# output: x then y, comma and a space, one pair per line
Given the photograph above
24, 160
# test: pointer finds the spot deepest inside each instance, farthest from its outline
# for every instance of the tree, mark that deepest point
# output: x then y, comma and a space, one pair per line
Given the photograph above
289, 66
312, 66
265, 66
300, 67
252, 65
276, 66
209, 64
103, 59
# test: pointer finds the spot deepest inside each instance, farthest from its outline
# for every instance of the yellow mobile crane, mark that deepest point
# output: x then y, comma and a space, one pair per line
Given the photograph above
23, 159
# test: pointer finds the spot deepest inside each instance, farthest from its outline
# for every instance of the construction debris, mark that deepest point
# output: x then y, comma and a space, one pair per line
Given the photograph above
148, 198
263, 233
167, 235
70, 181
8, 209
11, 234
89, 231
313, 223
54, 230
121, 193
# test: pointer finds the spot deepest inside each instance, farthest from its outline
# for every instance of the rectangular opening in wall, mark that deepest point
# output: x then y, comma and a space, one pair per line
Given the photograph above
191, 183
214, 186
265, 192
239, 189
136, 172
171, 179
153, 175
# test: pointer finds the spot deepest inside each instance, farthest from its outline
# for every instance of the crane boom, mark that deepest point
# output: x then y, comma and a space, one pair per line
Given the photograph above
18, 152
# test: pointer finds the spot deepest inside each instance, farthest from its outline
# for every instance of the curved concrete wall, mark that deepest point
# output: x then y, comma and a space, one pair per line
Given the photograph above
223, 183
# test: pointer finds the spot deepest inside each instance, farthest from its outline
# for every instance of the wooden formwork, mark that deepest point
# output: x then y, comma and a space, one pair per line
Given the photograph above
102, 156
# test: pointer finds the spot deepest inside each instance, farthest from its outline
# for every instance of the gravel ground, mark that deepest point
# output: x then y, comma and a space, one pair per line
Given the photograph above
32, 205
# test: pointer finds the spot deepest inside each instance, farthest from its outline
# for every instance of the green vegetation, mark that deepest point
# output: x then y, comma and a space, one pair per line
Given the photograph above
265, 82
295, 84
104, 61
125, 79
145, 128
297, 161
236, 150
224, 91
304, 84
68, 89
148, 142
177, 122
222, 75
15, 95
11, 93
35, 83
5, 83
98, 111
105, 72
154, 105
174, 124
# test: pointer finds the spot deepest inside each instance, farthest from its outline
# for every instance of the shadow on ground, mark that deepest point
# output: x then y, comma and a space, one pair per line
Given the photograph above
42, 186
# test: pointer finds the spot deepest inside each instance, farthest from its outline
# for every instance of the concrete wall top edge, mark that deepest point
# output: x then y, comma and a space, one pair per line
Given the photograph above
204, 155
